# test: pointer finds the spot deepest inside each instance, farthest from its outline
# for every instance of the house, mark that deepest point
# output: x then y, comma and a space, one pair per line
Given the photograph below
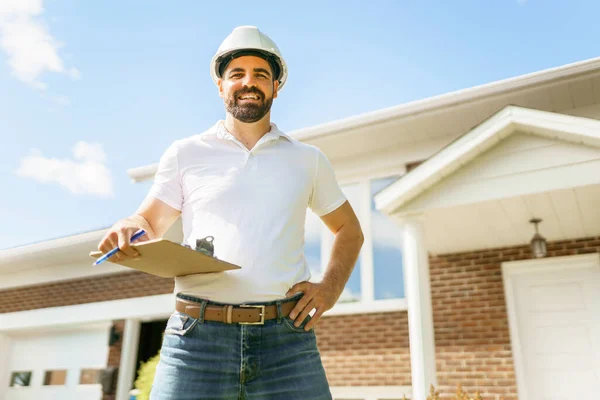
447, 289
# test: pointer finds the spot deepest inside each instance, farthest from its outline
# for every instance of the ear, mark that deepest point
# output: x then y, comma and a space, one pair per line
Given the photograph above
275, 89
221, 90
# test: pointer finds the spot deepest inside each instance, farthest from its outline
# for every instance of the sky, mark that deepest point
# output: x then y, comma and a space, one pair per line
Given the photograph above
90, 89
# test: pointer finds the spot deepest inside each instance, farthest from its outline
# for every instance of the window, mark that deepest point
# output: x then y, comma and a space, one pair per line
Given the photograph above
55, 378
387, 248
312, 245
20, 379
89, 376
381, 256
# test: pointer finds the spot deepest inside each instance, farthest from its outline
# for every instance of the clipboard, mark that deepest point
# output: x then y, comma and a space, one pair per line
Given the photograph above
167, 259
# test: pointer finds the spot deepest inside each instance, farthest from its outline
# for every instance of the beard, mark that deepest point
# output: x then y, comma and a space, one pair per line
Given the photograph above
248, 113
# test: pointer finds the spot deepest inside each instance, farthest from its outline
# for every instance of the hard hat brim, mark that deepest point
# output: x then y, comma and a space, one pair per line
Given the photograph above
275, 62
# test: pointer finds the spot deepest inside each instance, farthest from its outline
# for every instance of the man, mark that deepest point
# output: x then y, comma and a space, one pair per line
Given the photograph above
247, 333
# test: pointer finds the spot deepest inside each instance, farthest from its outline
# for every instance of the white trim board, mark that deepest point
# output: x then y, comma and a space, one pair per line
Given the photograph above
514, 268
363, 307
145, 309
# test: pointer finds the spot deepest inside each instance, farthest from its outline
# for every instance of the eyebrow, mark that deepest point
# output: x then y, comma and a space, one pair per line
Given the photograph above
238, 69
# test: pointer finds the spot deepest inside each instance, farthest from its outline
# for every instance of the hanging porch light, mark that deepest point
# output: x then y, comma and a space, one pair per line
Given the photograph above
538, 242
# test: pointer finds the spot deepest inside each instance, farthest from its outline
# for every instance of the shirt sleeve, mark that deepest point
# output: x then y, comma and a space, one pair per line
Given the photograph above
167, 182
326, 193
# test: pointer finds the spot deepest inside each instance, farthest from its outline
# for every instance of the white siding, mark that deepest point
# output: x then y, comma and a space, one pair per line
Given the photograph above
592, 111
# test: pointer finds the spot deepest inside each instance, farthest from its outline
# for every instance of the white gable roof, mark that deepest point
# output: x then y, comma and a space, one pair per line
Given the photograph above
507, 121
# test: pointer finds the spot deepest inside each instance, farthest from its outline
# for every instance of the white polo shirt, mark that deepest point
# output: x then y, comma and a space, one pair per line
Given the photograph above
253, 202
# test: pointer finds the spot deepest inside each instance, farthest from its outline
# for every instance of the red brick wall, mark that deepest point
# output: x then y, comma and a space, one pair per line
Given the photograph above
469, 312
87, 290
365, 349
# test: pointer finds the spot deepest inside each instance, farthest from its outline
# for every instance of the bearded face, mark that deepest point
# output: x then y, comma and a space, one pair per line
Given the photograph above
248, 88
248, 104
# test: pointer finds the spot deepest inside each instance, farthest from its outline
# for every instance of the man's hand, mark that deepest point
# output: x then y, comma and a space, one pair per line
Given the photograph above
120, 235
316, 295
342, 222
153, 216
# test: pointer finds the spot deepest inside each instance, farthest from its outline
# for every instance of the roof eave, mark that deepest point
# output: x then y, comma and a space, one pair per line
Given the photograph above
448, 99
478, 140
41, 252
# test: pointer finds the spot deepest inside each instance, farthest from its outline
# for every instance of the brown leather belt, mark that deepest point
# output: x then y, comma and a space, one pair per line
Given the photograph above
228, 314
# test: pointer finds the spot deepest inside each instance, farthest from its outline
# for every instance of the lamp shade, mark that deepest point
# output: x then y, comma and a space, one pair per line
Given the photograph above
538, 246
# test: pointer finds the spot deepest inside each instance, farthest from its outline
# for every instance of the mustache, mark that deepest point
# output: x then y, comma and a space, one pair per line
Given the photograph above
253, 90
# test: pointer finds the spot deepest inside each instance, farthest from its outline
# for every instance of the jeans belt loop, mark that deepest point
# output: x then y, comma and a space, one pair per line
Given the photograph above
227, 313
202, 308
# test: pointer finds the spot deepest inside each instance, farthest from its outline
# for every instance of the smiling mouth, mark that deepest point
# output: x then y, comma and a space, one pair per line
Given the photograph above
249, 97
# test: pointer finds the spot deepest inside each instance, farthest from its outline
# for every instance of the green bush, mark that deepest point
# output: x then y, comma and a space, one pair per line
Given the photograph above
146, 377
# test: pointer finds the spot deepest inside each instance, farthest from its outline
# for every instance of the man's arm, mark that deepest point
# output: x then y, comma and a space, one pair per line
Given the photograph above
153, 215
322, 296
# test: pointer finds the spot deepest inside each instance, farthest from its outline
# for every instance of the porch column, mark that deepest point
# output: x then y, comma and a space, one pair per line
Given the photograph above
420, 318
127, 365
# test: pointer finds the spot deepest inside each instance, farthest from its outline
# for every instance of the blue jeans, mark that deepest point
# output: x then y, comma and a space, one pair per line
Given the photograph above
213, 360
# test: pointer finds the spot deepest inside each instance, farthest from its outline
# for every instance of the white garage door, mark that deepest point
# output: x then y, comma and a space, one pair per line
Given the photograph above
557, 310
57, 365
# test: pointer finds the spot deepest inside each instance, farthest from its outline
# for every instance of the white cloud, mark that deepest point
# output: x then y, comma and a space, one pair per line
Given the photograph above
30, 48
85, 174
90, 152
522, 2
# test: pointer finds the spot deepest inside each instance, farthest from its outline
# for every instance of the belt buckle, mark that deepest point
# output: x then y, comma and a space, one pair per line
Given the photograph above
262, 314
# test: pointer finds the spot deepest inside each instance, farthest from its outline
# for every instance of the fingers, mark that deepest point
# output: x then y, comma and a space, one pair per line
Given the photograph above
317, 296
108, 243
313, 321
118, 238
299, 307
304, 313
124, 246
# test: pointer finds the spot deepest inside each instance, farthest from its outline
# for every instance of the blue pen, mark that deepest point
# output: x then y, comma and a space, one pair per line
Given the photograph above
114, 251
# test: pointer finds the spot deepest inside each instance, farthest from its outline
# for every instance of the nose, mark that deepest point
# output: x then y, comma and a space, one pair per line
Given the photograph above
249, 80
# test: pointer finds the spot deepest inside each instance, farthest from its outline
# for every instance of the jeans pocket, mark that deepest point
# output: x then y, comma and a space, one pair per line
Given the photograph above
180, 324
289, 324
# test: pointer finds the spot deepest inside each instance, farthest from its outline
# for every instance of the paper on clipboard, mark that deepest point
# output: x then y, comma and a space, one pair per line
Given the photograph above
167, 259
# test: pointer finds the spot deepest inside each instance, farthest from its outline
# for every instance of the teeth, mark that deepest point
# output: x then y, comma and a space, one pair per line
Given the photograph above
249, 97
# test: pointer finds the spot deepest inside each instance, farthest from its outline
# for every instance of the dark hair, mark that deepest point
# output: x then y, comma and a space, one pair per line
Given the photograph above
272, 60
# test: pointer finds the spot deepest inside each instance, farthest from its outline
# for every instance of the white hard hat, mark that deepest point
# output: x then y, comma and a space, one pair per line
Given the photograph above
248, 40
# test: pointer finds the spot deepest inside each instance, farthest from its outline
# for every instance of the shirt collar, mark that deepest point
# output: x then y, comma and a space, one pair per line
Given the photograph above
219, 131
